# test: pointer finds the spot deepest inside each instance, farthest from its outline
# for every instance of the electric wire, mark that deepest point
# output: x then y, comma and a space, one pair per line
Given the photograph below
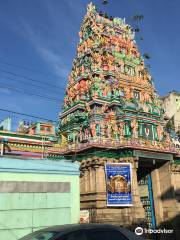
31, 84
25, 68
27, 115
28, 78
29, 93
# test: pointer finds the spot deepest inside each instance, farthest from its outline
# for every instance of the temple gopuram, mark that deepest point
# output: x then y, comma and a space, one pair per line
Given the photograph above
112, 114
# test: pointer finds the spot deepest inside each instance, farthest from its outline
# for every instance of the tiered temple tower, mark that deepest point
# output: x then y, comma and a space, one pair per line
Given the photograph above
110, 95
111, 113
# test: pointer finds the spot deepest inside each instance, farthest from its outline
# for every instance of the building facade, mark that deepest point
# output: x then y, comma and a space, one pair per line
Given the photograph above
37, 193
171, 105
25, 145
37, 128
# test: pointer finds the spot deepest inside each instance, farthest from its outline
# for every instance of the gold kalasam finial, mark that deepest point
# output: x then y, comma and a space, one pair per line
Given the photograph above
91, 7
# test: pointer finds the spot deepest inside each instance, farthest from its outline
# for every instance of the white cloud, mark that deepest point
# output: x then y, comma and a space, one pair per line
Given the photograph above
47, 53
55, 61
5, 90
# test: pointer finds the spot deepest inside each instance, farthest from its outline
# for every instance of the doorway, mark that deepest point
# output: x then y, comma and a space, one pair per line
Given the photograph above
145, 168
147, 200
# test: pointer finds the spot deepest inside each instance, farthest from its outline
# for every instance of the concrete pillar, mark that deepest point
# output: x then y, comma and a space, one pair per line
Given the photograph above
85, 179
138, 210
100, 179
92, 177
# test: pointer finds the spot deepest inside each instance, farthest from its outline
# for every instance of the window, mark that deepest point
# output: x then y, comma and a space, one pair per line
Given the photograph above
80, 235
137, 95
106, 235
129, 70
48, 129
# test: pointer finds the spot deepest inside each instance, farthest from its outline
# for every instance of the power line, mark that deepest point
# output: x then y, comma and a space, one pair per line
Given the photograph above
31, 84
28, 78
29, 93
25, 68
27, 115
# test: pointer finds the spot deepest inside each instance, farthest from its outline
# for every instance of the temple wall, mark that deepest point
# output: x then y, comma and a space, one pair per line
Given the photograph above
166, 187
165, 184
93, 194
171, 104
164, 196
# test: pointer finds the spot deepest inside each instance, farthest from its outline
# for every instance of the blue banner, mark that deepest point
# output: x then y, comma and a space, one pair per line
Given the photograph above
118, 180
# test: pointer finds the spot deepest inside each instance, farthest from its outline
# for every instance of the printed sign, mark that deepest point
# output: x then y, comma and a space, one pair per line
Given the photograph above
118, 180
84, 216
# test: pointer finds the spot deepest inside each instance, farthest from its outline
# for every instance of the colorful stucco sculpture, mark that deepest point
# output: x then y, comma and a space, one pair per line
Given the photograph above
110, 98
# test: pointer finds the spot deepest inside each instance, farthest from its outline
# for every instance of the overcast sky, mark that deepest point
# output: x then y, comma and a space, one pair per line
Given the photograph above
38, 40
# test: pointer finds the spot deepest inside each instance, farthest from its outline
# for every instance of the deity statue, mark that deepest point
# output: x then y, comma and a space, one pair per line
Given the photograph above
146, 97
134, 127
127, 128
112, 115
81, 135
109, 94
116, 132
116, 92
86, 133
104, 93
102, 126
93, 129
104, 108
121, 129
70, 79
88, 107
167, 137
108, 130
145, 107
160, 132
128, 92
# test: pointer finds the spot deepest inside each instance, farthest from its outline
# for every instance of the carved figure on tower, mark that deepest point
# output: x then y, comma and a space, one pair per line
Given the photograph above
134, 127
110, 91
